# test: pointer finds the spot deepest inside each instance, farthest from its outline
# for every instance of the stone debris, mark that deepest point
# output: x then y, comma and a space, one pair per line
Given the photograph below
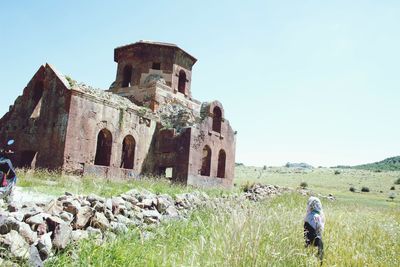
31, 233
8, 224
16, 244
174, 115
45, 245
26, 232
107, 96
62, 236
78, 235
83, 217
34, 257
258, 191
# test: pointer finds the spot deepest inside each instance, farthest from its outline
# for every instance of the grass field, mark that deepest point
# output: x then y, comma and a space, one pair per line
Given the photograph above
325, 181
362, 229
55, 184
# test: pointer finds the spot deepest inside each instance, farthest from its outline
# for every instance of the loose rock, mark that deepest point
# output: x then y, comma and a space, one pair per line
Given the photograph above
62, 236
8, 224
100, 221
18, 247
83, 217
44, 246
26, 232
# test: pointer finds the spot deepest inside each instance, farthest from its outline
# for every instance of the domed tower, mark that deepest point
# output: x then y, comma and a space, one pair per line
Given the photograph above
148, 72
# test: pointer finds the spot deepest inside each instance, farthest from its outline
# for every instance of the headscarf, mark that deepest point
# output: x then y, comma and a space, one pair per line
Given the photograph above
315, 215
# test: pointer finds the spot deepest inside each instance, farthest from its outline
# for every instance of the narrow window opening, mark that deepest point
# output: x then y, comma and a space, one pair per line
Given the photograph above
168, 172
221, 164
37, 99
156, 66
217, 119
206, 162
127, 77
128, 152
103, 150
182, 82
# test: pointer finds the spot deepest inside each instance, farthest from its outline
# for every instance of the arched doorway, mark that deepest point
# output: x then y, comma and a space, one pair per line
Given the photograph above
221, 164
206, 162
128, 152
103, 150
182, 82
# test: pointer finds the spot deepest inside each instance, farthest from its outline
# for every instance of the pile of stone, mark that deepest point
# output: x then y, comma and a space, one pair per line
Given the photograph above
177, 116
257, 192
308, 192
121, 102
33, 231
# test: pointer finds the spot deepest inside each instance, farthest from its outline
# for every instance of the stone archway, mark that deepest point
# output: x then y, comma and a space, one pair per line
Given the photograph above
128, 152
103, 150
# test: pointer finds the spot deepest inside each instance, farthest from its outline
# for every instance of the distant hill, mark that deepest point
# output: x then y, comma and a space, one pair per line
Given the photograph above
389, 164
299, 165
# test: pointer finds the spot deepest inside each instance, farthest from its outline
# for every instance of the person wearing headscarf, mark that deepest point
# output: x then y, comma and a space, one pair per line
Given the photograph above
314, 224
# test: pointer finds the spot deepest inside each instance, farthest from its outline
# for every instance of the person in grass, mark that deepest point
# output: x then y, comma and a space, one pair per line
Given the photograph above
314, 223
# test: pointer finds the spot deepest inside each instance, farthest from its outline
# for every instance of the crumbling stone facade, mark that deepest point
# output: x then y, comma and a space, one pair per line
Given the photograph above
146, 123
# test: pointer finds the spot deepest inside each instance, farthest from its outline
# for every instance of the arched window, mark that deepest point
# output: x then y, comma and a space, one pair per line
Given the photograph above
206, 161
128, 152
217, 119
127, 77
182, 82
103, 151
221, 164
37, 99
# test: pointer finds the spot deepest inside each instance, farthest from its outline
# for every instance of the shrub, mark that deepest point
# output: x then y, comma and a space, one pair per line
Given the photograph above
303, 185
364, 189
392, 196
393, 188
352, 189
397, 181
337, 172
247, 186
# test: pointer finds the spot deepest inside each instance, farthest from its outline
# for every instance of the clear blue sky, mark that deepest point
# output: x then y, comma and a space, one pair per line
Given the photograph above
301, 81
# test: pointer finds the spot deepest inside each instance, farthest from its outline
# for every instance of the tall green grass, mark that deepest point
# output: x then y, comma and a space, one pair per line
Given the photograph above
268, 233
54, 183
362, 229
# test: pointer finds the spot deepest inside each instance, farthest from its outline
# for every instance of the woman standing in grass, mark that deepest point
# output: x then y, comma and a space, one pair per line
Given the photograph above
314, 225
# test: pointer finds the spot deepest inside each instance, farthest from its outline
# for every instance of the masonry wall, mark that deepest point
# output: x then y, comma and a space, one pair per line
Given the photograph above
88, 116
38, 121
205, 136
140, 58
172, 150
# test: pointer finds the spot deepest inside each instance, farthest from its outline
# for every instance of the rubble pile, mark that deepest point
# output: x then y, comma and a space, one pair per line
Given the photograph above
119, 101
33, 231
257, 192
175, 115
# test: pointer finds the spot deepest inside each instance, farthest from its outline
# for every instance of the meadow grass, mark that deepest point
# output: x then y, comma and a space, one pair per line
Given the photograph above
362, 229
324, 181
267, 233
54, 183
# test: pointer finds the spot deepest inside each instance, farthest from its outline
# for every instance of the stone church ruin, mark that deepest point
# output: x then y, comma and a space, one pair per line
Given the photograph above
146, 123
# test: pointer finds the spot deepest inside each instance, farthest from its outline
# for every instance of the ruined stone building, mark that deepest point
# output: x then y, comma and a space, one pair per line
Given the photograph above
147, 122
